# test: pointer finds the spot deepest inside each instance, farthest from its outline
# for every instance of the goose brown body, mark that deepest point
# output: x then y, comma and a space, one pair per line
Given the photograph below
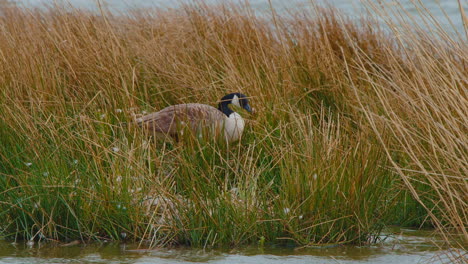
172, 119
199, 119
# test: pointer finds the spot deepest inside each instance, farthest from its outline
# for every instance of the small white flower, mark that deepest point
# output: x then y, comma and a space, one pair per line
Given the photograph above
301, 216
119, 178
118, 110
118, 206
115, 149
315, 176
286, 210
102, 116
75, 161
124, 208
28, 164
45, 174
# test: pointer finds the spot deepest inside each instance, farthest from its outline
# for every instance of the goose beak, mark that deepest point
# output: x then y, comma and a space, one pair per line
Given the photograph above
247, 108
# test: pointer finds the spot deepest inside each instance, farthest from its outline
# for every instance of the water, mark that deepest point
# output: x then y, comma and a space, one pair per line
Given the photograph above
445, 11
406, 246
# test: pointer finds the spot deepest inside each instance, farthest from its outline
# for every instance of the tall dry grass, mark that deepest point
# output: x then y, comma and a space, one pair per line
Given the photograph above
357, 127
421, 102
424, 107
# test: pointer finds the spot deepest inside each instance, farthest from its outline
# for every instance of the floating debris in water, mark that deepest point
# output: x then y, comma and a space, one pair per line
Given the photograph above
73, 243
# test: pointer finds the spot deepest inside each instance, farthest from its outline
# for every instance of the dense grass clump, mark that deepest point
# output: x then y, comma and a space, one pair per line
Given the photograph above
356, 127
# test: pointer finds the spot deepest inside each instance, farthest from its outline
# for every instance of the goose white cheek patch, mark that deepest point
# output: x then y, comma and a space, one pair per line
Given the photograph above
235, 101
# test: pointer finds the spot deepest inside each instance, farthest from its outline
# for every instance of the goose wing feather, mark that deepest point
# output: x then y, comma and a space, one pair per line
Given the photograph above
169, 119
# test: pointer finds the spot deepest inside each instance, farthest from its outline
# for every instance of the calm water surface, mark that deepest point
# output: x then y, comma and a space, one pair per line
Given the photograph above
447, 12
405, 246
345, 4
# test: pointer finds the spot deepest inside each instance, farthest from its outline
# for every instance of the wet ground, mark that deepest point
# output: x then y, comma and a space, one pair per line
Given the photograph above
402, 246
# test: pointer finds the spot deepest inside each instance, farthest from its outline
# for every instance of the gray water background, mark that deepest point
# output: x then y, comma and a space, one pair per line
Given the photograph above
446, 12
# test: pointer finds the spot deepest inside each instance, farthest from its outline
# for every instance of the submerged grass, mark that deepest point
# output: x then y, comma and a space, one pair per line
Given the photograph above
357, 127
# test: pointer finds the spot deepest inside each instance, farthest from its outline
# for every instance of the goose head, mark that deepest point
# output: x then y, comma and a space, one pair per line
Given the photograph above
237, 99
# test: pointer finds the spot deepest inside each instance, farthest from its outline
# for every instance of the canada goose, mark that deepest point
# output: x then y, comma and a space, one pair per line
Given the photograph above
199, 117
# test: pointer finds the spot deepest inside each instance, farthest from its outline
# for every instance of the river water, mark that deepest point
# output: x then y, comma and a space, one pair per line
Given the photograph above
447, 12
403, 246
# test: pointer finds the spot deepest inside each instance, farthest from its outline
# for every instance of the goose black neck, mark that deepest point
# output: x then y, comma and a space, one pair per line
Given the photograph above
223, 107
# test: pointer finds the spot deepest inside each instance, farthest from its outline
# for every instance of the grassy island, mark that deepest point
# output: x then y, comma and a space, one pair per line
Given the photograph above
359, 125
